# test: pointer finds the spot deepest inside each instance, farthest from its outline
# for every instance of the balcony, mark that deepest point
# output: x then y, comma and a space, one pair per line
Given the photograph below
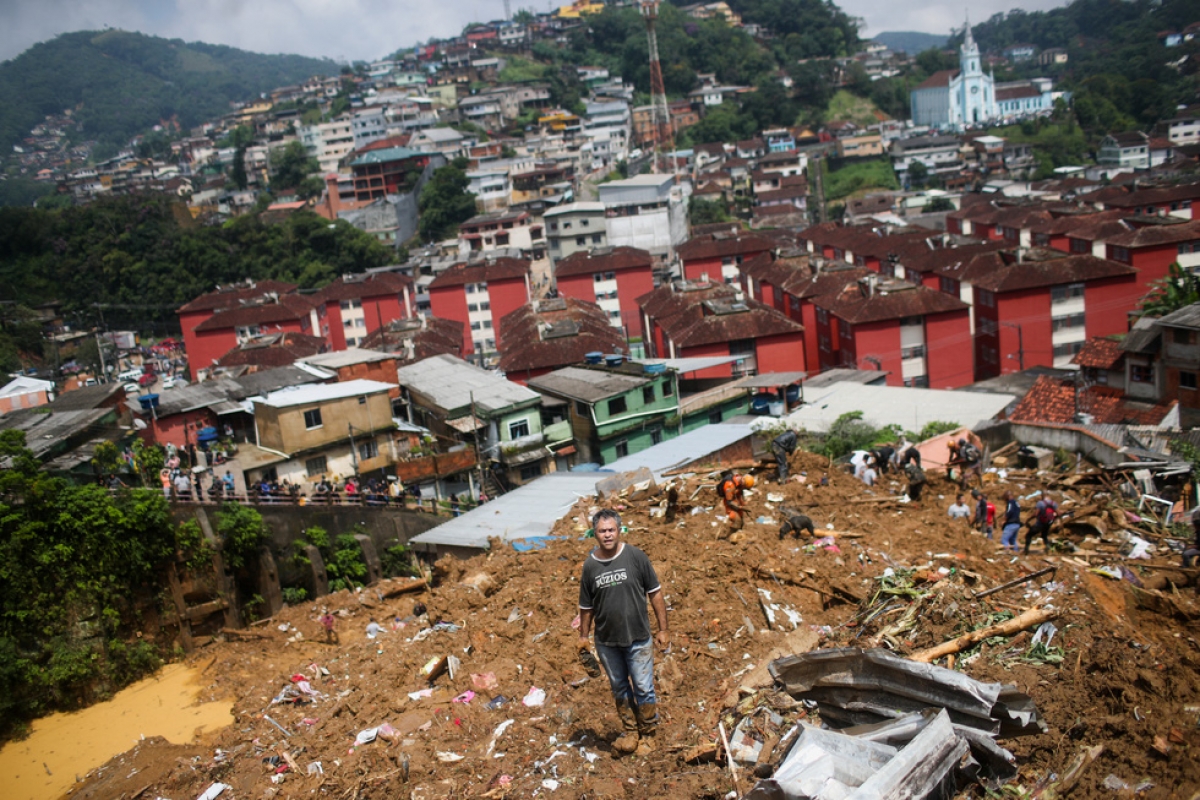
438, 465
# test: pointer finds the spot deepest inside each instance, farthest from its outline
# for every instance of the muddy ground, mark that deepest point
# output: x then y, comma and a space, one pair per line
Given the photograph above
1126, 676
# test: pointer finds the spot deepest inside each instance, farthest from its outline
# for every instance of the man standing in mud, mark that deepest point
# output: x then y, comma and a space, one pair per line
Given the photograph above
617, 581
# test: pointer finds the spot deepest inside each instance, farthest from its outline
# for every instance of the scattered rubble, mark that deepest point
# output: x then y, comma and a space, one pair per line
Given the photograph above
1072, 671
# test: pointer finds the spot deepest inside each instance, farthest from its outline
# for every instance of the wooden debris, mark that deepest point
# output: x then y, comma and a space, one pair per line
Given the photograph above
703, 753
1019, 623
1016, 582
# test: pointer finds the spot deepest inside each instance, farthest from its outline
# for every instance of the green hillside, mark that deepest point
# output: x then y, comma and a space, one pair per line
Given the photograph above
120, 84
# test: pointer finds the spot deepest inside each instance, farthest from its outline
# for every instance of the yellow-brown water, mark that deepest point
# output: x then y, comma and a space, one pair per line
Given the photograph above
63, 746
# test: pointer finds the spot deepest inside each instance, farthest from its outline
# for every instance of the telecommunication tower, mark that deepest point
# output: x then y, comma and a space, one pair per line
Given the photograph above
660, 117
507, 11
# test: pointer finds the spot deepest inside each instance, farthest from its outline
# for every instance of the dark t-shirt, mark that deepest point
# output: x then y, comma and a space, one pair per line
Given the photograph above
615, 592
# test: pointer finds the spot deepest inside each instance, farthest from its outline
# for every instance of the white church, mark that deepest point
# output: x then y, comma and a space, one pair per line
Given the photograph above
958, 98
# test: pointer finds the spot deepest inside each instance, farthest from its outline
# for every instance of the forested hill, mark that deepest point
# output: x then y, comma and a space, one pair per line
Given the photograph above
910, 42
121, 83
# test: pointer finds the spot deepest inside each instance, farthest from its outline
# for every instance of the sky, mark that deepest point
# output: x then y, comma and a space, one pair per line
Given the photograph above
369, 29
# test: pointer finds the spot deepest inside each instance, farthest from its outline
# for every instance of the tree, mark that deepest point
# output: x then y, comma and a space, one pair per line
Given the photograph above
918, 173
704, 212
445, 202
239, 168
292, 167
1179, 289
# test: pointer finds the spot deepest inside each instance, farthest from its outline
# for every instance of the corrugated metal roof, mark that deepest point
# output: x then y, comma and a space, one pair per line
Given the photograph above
676, 452
909, 408
528, 511
588, 385
683, 365
317, 393
449, 383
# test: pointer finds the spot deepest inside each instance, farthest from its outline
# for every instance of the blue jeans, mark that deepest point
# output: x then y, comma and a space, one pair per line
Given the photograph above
1009, 537
630, 671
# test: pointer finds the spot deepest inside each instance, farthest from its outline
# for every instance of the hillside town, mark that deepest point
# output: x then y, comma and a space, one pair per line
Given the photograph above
589, 340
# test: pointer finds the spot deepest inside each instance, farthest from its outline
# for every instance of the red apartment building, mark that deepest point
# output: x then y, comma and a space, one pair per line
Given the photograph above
688, 320
716, 256
613, 278
1151, 249
1037, 308
355, 306
478, 295
545, 335
221, 298
225, 329
919, 336
1177, 201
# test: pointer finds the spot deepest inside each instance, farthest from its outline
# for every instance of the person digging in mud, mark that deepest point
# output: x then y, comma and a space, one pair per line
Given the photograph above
916, 481
783, 446
329, 622
732, 489
617, 580
968, 459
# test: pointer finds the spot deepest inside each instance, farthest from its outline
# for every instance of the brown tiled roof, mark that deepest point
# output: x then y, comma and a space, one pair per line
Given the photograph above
924, 259
708, 188
617, 258
372, 284
938, 80
231, 296
1129, 197
481, 272
279, 350
287, 307
581, 328
892, 299
429, 336
1154, 235
689, 320
1016, 93
829, 279
716, 227
1052, 272
1099, 353
1099, 230
786, 193
1054, 400
1064, 223
973, 266
720, 246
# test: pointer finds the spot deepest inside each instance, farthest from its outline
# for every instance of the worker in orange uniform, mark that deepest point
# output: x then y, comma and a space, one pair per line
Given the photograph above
732, 490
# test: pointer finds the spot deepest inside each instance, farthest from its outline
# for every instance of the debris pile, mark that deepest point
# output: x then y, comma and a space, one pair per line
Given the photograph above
783, 649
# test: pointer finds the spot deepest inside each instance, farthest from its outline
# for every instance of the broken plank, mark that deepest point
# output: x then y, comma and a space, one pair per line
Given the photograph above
1017, 624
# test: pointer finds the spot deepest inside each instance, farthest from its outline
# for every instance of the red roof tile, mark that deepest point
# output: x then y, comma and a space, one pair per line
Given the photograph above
722, 245
371, 284
1099, 353
614, 260
707, 313
286, 308
482, 272
1055, 400
938, 80
417, 339
279, 350
1157, 235
891, 299
232, 295
1052, 272
576, 327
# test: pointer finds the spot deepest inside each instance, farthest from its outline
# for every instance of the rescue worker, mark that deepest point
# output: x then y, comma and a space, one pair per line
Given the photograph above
783, 446
732, 489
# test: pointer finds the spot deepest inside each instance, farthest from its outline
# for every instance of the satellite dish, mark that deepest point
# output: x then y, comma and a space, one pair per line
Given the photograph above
139, 424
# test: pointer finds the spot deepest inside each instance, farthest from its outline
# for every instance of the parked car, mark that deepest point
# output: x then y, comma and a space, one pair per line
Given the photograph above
132, 388
173, 382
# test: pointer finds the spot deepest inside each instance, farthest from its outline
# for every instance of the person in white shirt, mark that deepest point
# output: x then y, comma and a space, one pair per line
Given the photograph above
960, 509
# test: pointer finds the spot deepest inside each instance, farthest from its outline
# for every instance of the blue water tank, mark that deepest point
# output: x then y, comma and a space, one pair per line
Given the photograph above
654, 369
593, 358
148, 401
614, 360
761, 404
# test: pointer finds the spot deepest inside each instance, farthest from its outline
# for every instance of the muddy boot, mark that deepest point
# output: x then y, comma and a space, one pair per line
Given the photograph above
627, 742
647, 725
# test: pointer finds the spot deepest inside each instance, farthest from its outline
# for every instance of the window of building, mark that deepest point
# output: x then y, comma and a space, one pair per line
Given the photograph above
918, 381
1067, 322
487, 324
518, 428
621, 448
656, 436
824, 343
1070, 291
847, 331
822, 316
916, 351
475, 326
986, 298
948, 285
610, 276
316, 466
368, 450
616, 406
1141, 373
531, 471
1068, 349
598, 277
1080, 246
312, 418
668, 388
597, 238
1187, 380
583, 223
581, 408
715, 417
1120, 254
472, 307
648, 394
1181, 336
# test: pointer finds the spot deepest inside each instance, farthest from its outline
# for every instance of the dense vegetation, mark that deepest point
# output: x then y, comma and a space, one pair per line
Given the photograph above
143, 256
75, 565
121, 84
